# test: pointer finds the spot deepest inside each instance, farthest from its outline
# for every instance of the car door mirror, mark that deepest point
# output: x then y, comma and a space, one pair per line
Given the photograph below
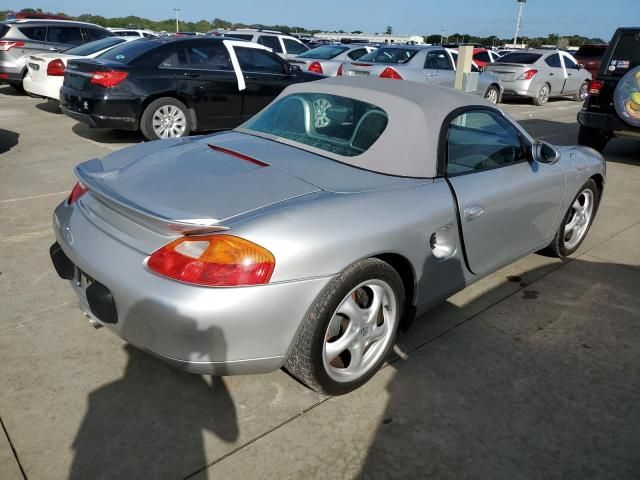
542, 152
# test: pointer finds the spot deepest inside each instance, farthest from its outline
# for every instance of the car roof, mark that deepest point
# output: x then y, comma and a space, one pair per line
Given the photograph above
29, 21
408, 146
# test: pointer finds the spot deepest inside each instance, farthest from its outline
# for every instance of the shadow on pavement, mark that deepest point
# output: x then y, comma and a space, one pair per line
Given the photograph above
50, 106
106, 135
8, 140
543, 385
150, 423
9, 91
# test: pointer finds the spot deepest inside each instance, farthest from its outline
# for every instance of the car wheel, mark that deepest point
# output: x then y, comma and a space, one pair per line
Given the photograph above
591, 137
582, 93
576, 222
350, 329
493, 95
18, 87
543, 95
165, 118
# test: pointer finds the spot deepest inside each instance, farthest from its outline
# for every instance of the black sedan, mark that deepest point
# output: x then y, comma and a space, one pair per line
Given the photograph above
170, 87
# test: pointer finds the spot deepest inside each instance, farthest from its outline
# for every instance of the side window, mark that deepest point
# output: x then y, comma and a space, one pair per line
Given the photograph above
148, 35
254, 60
270, 41
438, 60
93, 34
65, 35
205, 56
483, 57
569, 63
34, 33
553, 61
356, 54
293, 47
482, 140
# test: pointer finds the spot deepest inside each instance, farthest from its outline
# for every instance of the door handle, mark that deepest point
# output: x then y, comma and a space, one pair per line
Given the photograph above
53, 49
191, 75
472, 212
249, 77
431, 74
551, 74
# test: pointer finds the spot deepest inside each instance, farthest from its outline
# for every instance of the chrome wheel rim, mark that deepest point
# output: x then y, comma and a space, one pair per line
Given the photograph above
579, 219
320, 107
360, 331
584, 91
169, 122
492, 96
544, 94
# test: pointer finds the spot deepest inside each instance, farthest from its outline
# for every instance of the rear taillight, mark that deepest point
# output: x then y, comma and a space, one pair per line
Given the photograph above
55, 68
390, 73
213, 261
339, 74
528, 75
5, 45
315, 67
109, 78
78, 190
595, 87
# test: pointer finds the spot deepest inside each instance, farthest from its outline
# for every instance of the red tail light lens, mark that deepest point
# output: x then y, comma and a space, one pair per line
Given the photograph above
528, 75
339, 74
390, 73
214, 261
6, 46
55, 68
109, 78
78, 190
595, 87
315, 67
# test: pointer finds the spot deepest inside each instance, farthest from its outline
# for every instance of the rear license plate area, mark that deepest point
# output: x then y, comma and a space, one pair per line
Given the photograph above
358, 73
34, 66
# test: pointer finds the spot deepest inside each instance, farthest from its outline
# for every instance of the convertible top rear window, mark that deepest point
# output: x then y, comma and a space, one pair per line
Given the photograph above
332, 123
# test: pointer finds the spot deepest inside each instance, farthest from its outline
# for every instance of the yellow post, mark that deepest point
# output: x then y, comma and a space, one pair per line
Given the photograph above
465, 54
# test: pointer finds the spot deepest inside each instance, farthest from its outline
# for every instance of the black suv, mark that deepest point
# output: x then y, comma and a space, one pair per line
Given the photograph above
613, 106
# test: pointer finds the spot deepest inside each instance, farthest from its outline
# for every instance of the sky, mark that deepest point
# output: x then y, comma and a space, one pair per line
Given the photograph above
590, 18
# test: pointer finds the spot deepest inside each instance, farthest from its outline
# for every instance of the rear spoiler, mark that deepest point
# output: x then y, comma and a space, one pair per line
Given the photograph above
92, 177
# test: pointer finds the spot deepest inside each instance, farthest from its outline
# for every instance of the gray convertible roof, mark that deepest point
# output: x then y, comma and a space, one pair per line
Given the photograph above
416, 111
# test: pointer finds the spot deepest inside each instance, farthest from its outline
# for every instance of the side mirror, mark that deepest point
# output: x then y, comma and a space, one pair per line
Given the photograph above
543, 152
580, 66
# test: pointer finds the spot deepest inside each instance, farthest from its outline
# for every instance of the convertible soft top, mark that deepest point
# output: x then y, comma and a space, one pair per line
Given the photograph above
408, 146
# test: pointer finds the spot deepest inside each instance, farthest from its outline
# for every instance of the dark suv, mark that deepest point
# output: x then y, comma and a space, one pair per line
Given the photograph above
591, 56
613, 106
21, 38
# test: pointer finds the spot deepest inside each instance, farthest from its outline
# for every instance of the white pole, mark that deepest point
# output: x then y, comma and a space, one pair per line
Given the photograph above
515, 37
177, 24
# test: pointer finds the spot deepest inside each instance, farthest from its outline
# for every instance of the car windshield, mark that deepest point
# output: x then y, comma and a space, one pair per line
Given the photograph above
93, 47
332, 123
129, 51
519, 57
389, 55
325, 52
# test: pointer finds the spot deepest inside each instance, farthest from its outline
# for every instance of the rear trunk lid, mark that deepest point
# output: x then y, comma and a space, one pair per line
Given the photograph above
507, 72
37, 66
79, 72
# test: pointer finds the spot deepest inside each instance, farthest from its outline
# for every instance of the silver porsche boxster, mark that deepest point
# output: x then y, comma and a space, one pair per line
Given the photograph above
307, 236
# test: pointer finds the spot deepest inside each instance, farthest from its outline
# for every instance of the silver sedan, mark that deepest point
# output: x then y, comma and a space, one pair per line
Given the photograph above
327, 59
541, 74
307, 236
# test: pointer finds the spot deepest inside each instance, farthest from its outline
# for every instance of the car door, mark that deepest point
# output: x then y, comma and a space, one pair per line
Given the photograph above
60, 37
205, 76
265, 75
507, 202
554, 74
438, 68
575, 75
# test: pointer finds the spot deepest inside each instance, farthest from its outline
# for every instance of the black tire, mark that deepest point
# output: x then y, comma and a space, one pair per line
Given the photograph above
18, 87
146, 122
557, 248
594, 138
305, 361
493, 94
582, 93
541, 98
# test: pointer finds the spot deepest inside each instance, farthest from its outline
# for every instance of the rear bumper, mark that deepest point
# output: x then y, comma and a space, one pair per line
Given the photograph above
218, 331
49, 88
100, 112
604, 121
11, 74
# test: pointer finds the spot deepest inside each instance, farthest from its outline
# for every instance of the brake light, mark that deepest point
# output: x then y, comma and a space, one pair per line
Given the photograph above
339, 74
213, 261
6, 46
595, 87
528, 75
109, 78
315, 67
55, 68
390, 73
78, 190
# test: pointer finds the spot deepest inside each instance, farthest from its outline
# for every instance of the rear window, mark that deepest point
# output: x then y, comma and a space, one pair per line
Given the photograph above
519, 57
3, 29
93, 47
325, 52
332, 123
590, 51
129, 51
625, 55
389, 55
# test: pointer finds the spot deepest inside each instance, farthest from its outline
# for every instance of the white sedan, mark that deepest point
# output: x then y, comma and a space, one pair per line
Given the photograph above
46, 70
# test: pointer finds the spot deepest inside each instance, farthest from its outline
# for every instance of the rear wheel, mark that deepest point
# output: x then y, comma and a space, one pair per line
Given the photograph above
582, 93
350, 329
165, 118
592, 137
543, 95
493, 95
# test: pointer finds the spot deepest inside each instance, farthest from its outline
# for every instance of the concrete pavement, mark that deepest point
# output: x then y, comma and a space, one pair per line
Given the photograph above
530, 373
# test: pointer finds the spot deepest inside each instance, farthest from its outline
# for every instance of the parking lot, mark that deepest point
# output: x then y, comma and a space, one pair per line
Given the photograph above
531, 373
